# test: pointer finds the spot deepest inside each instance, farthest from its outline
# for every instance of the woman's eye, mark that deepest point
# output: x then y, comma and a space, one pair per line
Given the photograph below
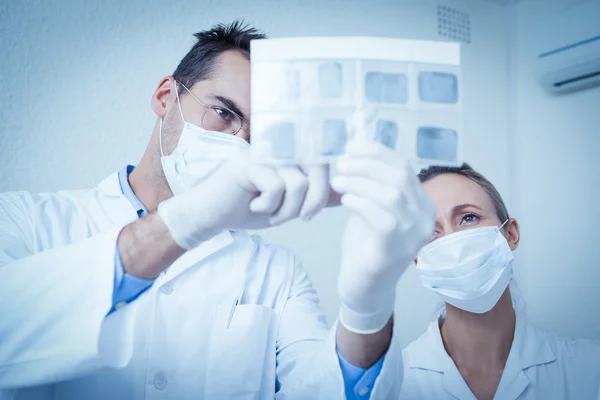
469, 218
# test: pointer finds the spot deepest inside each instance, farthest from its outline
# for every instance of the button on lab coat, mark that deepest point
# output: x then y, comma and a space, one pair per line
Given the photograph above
57, 271
540, 366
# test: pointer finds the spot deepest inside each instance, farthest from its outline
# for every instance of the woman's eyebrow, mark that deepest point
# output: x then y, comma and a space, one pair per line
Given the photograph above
461, 207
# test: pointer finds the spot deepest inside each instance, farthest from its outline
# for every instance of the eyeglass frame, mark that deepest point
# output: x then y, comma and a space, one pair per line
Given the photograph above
207, 107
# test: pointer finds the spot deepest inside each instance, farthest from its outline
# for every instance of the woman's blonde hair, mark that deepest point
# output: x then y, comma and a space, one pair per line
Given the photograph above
465, 170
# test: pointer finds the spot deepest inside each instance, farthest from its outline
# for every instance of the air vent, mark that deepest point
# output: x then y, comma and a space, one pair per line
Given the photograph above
454, 24
577, 79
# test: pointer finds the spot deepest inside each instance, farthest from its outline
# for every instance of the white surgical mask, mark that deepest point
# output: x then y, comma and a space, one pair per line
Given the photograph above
468, 269
199, 153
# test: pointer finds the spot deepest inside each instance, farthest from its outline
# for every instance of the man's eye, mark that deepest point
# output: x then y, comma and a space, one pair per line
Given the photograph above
223, 113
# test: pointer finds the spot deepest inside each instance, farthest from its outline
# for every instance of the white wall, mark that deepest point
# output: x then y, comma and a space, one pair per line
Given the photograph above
76, 79
556, 148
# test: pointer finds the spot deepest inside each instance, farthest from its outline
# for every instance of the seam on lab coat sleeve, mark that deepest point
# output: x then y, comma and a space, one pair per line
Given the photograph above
389, 381
16, 233
307, 363
60, 331
317, 376
301, 296
311, 366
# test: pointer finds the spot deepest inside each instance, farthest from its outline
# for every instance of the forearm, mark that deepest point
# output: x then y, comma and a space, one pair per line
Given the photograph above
146, 247
60, 330
363, 350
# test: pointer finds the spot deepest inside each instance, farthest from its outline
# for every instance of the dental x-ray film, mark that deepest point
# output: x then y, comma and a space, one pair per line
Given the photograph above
310, 96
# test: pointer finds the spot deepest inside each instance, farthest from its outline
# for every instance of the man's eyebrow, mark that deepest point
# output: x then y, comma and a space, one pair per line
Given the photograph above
231, 105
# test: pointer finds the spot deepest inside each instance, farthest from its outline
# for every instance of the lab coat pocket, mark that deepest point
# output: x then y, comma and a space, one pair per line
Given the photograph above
242, 352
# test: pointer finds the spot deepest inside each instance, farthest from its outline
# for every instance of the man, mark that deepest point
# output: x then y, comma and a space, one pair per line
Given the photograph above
148, 286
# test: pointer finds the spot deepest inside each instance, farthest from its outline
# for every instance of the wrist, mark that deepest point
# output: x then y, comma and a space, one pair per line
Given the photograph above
368, 317
145, 247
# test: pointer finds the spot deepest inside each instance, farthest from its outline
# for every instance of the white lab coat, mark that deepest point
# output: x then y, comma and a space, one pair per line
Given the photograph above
540, 366
56, 276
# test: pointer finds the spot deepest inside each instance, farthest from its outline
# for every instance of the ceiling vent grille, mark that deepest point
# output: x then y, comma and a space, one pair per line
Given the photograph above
454, 24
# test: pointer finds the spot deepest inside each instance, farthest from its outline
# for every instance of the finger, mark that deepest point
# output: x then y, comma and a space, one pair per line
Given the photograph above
269, 186
376, 169
427, 210
240, 166
296, 185
318, 191
415, 195
417, 200
420, 195
388, 197
372, 149
371, 213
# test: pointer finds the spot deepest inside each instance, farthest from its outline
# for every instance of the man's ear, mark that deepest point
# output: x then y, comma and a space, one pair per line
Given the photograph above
163, 96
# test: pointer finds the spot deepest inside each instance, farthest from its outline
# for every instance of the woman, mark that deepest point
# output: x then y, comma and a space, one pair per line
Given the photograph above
480, 347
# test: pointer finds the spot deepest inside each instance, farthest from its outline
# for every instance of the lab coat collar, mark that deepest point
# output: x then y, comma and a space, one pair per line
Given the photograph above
530, 347
428, 353
115, 206
110, 186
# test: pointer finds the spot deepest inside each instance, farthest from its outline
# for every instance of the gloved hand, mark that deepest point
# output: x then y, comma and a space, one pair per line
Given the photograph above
244, 195
391, 219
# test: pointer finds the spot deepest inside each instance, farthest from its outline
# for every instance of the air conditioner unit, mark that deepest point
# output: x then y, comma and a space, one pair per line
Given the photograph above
567, 49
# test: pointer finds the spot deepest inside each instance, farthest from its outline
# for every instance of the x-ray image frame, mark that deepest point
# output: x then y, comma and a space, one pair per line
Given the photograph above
420, 70
317, 103
442, 121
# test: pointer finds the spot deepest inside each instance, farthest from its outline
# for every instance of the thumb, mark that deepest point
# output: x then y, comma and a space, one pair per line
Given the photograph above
259, 184
267, 185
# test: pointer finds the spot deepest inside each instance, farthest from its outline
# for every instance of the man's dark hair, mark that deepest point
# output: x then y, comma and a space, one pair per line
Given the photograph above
200, 62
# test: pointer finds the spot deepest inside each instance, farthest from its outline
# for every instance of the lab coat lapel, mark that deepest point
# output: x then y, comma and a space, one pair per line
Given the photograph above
436, 359
512, 385
455, 384
530, 348
428, 352
200, 253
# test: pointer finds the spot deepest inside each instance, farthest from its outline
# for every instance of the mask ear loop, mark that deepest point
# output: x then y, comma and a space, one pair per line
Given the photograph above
160, 137
161, 120
178, 102
505, 222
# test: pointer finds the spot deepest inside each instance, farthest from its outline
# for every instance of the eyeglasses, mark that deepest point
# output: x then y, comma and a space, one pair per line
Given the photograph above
218, 118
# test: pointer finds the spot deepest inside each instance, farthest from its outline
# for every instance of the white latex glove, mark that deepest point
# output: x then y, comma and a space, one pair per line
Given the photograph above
244, 195
391, 219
